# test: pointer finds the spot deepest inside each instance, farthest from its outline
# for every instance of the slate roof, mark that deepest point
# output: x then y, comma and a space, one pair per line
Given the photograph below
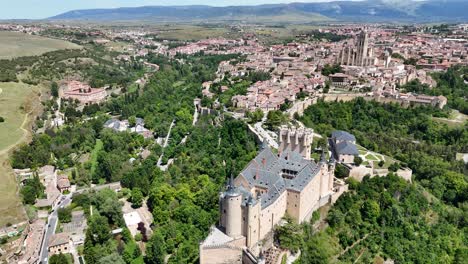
266, 170
346, 148
342, 136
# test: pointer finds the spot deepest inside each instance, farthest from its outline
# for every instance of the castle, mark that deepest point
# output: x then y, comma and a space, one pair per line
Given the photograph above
361, 55
269, 187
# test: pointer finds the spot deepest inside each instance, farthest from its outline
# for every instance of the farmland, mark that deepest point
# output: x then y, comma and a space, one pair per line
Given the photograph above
13, 44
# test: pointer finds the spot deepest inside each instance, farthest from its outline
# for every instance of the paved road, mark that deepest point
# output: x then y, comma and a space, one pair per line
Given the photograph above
265, 135
51, 226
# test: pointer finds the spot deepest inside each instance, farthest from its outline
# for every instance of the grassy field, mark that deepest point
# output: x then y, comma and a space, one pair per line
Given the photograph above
17, 102
13, 44
94, 155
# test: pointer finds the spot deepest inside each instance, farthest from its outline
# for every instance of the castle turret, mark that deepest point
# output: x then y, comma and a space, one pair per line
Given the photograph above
253, 214
324, 175
232, 200
331, 172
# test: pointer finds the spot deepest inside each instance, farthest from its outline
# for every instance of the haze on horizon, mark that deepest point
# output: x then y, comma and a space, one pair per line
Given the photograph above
46, 8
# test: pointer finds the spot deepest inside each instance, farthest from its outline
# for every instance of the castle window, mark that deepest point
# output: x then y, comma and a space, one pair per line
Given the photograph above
288, 174
224, 211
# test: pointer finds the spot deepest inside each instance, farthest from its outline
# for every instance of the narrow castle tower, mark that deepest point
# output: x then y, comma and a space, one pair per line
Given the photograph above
296, 139
232, 200
324, 175
331, 171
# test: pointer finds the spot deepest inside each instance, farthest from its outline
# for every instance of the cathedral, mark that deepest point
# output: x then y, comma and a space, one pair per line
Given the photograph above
360, 55
270, 186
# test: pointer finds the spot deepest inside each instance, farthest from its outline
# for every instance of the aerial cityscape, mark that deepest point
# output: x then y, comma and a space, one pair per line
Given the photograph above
218, 132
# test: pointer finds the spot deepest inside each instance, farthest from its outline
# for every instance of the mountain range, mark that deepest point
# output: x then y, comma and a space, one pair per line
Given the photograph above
346, 11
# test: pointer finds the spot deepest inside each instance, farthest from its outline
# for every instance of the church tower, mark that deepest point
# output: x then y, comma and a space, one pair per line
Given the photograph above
362, 48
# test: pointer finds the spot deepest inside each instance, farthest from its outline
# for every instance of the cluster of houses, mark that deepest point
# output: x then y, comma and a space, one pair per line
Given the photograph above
370, 66
124, 125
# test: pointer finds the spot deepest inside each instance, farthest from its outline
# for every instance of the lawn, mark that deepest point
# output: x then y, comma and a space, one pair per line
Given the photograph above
13, 44
369, 156
16, 101
94, 155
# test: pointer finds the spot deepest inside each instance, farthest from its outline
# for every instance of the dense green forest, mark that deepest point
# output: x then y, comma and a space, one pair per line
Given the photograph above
387, 218
183, 199
432, 220
408, 134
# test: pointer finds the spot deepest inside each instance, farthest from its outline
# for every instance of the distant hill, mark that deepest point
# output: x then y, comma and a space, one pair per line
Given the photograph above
371, 11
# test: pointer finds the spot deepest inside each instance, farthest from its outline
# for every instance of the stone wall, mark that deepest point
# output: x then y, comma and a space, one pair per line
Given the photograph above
229, 253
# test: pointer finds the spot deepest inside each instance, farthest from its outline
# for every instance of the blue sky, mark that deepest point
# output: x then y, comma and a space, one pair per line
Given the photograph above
19, 9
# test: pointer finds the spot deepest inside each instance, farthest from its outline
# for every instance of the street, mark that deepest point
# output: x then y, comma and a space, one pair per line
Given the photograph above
51, 225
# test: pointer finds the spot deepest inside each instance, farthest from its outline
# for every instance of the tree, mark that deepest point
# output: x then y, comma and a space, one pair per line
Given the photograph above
274, 119
256, 116
113, 258
58, 259
29, 194
156, 251
394, 167
289, 235
54, 89
2, 119
357, 160
64, 214
370, 210
331, 69
132, 121
137, 198
381, 163
98, 231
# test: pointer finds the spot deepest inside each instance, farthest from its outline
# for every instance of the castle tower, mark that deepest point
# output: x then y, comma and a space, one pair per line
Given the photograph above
232, 211
324, 175
297, 140
252, 231
331, 172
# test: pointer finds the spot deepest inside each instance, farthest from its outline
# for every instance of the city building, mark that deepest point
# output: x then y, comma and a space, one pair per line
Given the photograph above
59, 243
63, 183
32, 243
